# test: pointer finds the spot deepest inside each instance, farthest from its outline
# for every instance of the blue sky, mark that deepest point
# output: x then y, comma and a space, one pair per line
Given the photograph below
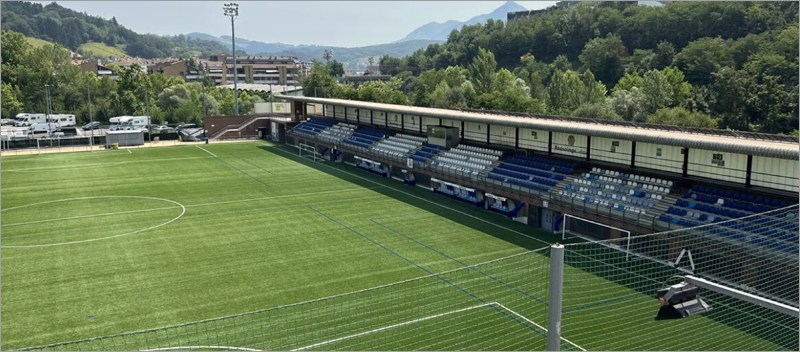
337, 23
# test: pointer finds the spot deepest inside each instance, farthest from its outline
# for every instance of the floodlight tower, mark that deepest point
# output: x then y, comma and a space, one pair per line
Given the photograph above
232, 10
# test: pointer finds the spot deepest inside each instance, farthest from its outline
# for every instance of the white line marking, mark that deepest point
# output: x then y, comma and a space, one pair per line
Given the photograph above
85, 216
96, 165
283, 196
537, 325
129, 151
427, 201
391, 327
195, 348
201, 148
183, 211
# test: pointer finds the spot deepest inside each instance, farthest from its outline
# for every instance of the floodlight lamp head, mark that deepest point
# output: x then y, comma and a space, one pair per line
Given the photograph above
680, 301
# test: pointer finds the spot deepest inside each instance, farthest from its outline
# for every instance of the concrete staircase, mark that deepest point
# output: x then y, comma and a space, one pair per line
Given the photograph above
238, 127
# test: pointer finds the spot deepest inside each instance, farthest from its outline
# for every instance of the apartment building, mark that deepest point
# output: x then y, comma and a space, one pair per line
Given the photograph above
176, 69
282, 70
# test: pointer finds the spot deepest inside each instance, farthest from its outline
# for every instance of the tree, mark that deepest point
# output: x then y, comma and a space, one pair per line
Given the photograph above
10, 105
664, 55
681, 117
482, 70
390, 65
701, 58
656, 90
336, 68
319, 82
731, 91
564, 93
459, 96
562, 63
597, 111
629, 105
327, 55
628, 81
387, 92
604, 57
680, 88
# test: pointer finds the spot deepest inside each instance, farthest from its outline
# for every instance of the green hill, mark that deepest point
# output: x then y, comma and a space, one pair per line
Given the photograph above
71, 29
36, 42
92, 49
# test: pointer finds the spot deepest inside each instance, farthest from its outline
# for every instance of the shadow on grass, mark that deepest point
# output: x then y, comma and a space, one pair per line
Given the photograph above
476, 218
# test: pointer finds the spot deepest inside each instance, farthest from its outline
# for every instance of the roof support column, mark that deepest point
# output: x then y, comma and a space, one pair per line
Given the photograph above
549, 142
749, 171
386, 120
371, 118
358, 115
420, 123
516, 137
402, 122
685, 166
633, 154
462, 129
588, 148
488, 135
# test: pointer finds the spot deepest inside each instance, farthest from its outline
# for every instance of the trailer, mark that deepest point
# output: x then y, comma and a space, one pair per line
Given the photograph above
28, 119
129, 123
62, 120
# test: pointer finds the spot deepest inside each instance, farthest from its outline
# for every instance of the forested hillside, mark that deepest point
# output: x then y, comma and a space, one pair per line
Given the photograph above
713, 64
71, 29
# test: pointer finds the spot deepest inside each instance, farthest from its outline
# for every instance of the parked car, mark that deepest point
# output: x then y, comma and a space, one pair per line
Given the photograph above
9, 122
185, 125
68, 131
91, 125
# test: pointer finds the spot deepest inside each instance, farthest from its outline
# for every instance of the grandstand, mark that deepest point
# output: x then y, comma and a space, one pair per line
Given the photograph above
640, 178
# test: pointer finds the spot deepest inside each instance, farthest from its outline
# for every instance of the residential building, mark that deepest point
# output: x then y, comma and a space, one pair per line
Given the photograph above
176, 69
96, 67
283, 70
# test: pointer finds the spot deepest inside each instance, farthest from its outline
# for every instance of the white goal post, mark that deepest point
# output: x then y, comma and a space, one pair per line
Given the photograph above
565, 232
307, 151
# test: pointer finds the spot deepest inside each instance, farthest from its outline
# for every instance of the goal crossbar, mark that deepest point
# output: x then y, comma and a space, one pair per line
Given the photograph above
564, 232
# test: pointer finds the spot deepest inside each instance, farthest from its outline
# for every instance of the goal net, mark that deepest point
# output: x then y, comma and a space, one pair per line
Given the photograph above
620, 312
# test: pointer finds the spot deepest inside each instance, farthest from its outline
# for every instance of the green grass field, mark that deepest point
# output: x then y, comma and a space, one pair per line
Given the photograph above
103, 243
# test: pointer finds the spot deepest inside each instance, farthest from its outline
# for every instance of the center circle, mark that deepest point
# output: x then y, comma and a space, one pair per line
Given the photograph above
84, 219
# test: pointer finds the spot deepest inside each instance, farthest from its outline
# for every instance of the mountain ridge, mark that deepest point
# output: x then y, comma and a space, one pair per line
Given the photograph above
440, 31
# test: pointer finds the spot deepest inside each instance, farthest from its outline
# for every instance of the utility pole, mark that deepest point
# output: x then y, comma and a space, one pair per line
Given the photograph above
49, 112
91, 122
203, 81
147, 112
232, 10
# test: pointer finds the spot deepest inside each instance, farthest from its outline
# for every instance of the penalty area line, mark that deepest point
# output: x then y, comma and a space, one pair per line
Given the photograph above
348, 337
210, 153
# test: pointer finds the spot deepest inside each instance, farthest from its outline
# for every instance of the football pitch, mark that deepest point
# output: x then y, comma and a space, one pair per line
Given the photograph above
117, 241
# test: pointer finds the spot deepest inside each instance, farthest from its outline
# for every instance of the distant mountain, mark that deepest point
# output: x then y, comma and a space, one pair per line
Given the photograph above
353, 58
440, 31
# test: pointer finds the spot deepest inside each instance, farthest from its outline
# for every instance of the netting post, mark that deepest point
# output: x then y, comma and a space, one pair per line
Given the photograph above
555, 297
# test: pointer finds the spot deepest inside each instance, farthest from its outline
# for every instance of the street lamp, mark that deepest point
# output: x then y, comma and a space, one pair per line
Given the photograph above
232, 10
49, 112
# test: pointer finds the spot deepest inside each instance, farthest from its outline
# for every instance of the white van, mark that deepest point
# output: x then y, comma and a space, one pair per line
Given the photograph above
41, 129
62, 120
28, 119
